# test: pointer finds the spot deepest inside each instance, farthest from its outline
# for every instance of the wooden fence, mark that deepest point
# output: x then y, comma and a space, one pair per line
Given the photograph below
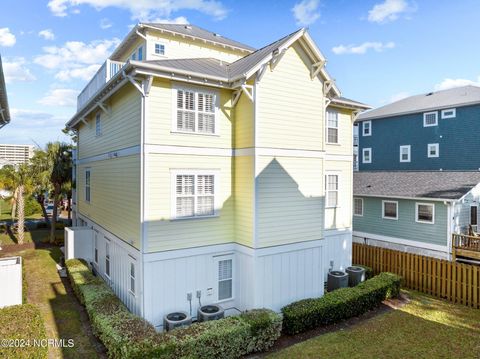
456, 282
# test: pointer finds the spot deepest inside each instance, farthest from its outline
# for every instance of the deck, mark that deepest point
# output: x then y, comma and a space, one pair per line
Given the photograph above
466, 246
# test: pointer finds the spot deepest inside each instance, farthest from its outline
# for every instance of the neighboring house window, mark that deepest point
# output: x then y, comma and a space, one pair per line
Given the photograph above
430, 119
195, 111
332, 126
140, 53
332, 190
194, 195
95, 239
98, 125
159, 49
225, 278
473, 215
132, 277
433, 150
405, 153
424, 213
107, 258
449, 113
390, 209
367, 128
358, 207
367, 155
87, 184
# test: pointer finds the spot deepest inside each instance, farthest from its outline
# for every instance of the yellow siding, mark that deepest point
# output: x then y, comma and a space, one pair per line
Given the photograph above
340, 217
120, 129
115, 196
161, 112
290, 111
244, 135
345, 134
290, 200
128, 52
244, 199
166, 234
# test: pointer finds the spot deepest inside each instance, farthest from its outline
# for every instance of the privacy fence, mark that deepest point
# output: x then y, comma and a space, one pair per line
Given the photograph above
456, 282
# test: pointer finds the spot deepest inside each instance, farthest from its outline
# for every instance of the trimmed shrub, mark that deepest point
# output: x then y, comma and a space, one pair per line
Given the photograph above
22, 324
368, 270
32, 206
126, 335
340, 304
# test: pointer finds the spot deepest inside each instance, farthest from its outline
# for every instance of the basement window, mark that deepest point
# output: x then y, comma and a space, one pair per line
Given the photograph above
225, 278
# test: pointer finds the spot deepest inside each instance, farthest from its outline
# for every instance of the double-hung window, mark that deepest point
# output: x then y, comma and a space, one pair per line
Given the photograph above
194, 194
195, 111
225, 277
390, 209
331, 182
367, 128
358, 207
98, 125
159, 49
107, 258
430, 119
433, 150
87, 184
332, 126
405, 153
424, 213
367, 155
132, 276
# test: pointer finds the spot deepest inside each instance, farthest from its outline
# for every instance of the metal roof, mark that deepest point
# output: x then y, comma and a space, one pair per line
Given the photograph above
459, 96
446, 185
4, 109
343, 101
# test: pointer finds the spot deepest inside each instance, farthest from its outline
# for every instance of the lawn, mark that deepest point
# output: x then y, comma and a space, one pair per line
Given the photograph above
34, 235
426, 327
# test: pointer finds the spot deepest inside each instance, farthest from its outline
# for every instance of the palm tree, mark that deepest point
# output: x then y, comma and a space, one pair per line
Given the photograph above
41, 169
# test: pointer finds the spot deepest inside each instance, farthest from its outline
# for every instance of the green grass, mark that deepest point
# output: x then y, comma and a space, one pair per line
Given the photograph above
6, 211
424, 328
34, 235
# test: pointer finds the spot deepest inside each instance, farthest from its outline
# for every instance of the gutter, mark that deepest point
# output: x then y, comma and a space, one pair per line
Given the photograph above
406, 197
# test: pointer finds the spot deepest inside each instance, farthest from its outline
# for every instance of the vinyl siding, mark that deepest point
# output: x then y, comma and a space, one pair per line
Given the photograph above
244, 135
462, 210
244, 199
115, 196
120, 129
290, 200
345, 134
289, 107
165, 234
341, 216
405, 227
128, 52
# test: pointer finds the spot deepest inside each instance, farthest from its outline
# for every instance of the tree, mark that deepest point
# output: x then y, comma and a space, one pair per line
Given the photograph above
41, 170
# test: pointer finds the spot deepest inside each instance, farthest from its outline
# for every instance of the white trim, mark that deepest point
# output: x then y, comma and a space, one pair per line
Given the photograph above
437, 150
425, 114
327, 127
408, 147
383, 210
407, 242
124, 152
424, 204
369, 150
369, 127
453, 115
354, 199
337, 191
155, 43
403, 197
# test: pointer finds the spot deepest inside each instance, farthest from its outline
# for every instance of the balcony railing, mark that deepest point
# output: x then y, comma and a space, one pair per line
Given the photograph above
104, 73
466, 246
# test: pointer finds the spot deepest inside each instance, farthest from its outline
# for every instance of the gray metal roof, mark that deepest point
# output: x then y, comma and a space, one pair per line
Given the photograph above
447, 185
351, 103
198, 32
459, 96
4, 109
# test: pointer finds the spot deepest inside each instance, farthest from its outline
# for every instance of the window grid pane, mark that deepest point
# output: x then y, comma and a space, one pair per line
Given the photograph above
358, 207
225, 279
431, 119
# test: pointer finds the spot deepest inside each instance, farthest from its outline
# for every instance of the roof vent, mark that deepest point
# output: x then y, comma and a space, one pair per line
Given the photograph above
429, 94
217, 35
188, 27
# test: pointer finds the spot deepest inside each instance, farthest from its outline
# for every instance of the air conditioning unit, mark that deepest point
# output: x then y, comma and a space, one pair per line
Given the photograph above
210, 312
356, 275
336, 279
176, 320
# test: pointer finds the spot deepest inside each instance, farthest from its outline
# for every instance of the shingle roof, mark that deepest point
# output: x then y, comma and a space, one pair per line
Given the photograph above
195, 31
415, 184
3, 99
459, 96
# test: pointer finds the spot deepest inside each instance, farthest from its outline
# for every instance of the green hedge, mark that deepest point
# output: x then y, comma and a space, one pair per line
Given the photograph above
22, 323
126, 335
340, 304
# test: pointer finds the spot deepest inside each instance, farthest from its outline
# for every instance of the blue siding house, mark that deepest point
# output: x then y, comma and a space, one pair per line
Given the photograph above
435, 131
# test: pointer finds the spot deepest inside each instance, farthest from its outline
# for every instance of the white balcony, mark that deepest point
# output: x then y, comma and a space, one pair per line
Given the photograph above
103, 75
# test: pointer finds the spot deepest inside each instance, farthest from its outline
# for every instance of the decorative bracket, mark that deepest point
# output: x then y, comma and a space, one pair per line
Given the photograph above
316, 68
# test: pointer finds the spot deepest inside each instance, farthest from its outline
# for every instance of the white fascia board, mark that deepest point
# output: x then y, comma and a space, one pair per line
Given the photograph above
406, 242
409, 198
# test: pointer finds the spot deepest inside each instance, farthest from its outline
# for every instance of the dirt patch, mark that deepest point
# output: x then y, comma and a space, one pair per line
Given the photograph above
9, 248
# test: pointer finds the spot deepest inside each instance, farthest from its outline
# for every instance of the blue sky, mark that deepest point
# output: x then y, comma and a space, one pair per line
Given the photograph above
377, 50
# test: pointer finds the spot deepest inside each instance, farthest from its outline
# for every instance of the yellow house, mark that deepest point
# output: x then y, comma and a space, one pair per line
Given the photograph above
208, 171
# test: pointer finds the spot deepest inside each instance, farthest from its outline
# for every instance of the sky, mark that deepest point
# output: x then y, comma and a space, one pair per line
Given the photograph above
378, 51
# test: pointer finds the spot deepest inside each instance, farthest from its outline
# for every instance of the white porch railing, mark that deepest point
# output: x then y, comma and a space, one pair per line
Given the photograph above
104, 73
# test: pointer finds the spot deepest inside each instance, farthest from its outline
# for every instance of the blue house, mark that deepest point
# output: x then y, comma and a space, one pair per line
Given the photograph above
433, 131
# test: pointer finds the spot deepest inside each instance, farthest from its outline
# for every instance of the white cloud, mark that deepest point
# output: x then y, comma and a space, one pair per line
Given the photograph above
306, 12
363, 48
177, 20
143, 10
84, 73
389, 10
47, 34
15, 70
105, 23
7, 39
451, 83
60, 97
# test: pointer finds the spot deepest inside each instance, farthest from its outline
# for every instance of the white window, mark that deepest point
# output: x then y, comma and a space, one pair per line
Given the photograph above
433, 150
98, 125
194, 194
449, 113
159, 49
430, 119
132, 276
405, 153
424, 213
367, 155
95, 240
390, 209
87, 184
225, 278
195, 111
332, 126
367, 128
358, 207
107, 258
331, 182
